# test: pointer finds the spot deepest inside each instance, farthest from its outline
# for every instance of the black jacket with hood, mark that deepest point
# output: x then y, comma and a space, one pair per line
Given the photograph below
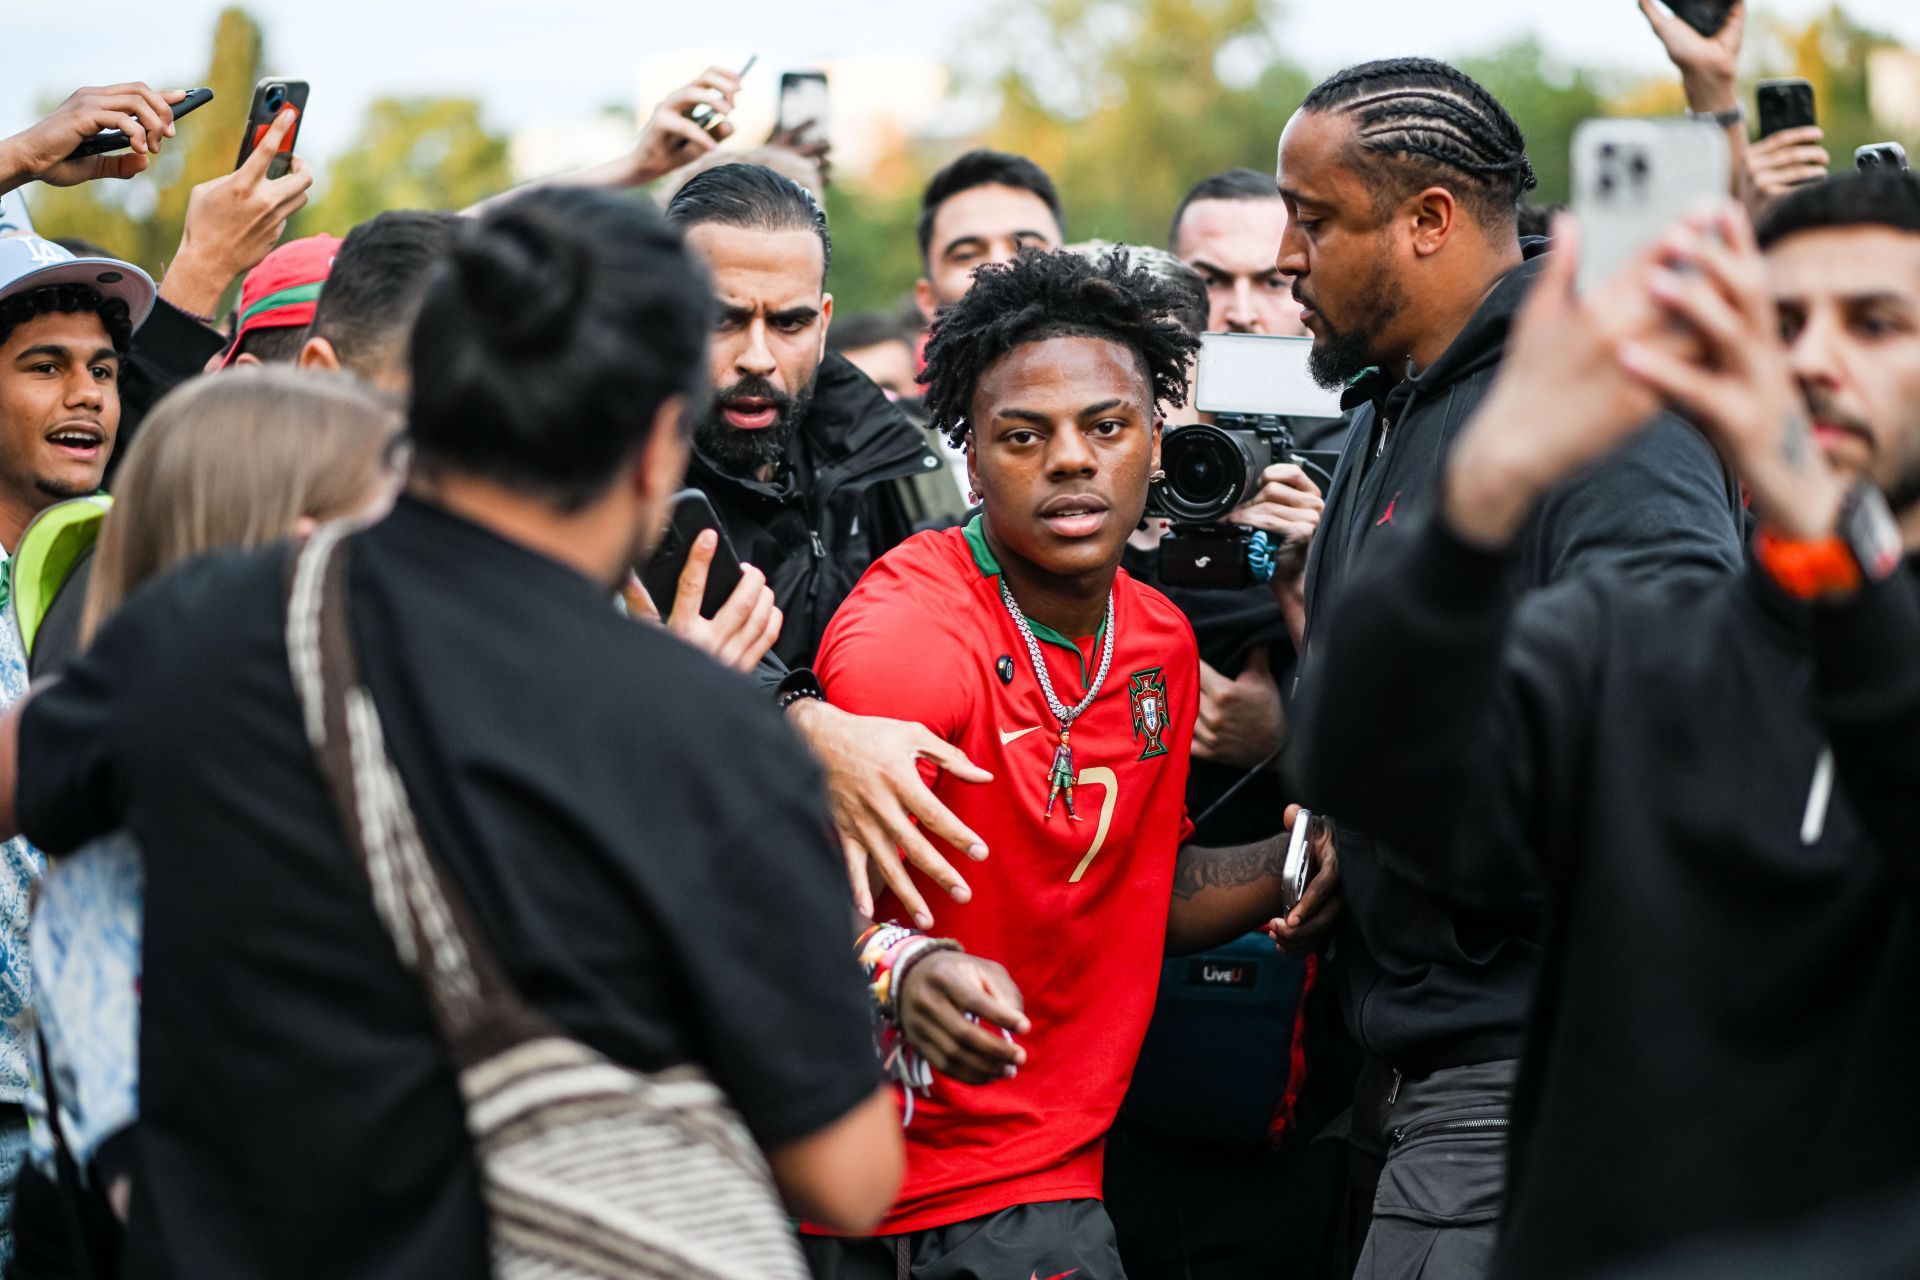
1719, 788
842, 500
1434, 975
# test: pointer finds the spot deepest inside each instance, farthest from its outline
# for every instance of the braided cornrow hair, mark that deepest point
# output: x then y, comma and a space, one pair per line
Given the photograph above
1061, 294
1431, 121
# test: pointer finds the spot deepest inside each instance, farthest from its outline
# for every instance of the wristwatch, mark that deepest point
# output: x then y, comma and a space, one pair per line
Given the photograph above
1864, 547
1736, 114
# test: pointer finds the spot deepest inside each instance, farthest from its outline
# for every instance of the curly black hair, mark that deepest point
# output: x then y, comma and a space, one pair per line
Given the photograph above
1058, 294
68, 298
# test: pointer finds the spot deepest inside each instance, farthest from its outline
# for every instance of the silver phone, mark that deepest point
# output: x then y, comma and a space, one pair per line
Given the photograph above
1633, 179
1293, 875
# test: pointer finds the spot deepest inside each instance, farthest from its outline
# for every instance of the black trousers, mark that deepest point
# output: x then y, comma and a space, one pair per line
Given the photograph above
1028, 1241
1427, 1171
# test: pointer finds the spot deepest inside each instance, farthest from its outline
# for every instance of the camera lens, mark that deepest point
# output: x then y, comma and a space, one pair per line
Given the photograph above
276, 98
1210, 471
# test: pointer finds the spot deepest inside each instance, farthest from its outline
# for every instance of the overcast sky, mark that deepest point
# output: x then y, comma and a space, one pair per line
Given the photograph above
555, 60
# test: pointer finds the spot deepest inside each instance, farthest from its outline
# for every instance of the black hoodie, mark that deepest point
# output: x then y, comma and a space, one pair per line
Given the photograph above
1432, 977
1720, 789
839, 503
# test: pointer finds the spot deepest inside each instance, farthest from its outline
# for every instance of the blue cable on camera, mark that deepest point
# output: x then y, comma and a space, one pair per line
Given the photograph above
1261, 554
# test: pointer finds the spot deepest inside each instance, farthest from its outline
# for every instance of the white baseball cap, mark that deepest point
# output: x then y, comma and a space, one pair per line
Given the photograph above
30, 262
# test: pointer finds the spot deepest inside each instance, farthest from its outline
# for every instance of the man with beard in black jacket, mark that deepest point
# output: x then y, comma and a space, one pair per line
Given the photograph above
805, 459
1402, 181
1716, 781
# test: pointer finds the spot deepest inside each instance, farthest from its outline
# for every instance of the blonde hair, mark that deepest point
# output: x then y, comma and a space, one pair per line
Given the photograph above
234, 460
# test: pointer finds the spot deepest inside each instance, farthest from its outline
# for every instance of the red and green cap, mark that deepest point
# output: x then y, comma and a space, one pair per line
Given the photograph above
281, 292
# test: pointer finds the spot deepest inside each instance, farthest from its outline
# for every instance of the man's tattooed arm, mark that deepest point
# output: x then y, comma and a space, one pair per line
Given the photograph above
1229, 868
1219, 894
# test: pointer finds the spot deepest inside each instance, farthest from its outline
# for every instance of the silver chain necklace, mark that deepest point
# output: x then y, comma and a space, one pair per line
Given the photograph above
1060, 775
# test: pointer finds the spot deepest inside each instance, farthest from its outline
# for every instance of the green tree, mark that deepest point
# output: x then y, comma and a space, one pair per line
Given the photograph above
410, 153
875, 256
1547, 99
1127, 104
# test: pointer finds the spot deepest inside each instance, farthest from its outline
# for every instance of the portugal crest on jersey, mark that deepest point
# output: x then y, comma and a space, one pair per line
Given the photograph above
1147, 690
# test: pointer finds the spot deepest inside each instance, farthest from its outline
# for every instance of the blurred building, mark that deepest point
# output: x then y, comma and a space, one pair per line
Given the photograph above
542, 150
1893, 90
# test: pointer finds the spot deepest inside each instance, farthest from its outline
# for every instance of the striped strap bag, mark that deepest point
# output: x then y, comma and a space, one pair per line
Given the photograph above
590, 1169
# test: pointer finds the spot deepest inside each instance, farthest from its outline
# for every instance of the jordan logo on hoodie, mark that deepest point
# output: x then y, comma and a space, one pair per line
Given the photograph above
1386, 517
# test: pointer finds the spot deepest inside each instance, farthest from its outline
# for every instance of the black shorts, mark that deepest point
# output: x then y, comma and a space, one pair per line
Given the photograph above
1066, 1238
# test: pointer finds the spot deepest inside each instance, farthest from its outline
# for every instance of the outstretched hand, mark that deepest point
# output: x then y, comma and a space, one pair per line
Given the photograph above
40, 152
875, 789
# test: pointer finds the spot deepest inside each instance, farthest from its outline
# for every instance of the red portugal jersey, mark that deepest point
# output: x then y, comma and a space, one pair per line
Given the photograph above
1075, 910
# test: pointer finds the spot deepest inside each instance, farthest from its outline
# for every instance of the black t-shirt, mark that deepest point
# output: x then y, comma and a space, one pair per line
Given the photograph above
645, 845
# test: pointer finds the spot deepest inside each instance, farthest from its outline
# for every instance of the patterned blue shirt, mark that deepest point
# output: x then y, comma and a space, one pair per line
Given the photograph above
20, 868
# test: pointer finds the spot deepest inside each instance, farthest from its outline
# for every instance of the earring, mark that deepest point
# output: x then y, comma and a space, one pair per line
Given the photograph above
1157, 476
973, 496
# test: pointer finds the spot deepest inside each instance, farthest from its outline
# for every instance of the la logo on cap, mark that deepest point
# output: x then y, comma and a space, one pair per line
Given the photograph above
45, 253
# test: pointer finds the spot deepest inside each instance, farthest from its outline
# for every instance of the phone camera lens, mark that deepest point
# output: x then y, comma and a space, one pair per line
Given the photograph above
1606, 184
1607, 150
1638, 167
276, 98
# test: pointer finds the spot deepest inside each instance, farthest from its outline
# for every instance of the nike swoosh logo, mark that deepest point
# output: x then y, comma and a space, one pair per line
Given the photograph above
1016, 735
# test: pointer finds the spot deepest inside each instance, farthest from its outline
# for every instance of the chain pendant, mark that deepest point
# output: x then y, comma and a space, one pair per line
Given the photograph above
1061, 773
1060, 776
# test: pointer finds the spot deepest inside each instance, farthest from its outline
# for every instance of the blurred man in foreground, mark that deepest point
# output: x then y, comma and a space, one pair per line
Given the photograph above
1714, 783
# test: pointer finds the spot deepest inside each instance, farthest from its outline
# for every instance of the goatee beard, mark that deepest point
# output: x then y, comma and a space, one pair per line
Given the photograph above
1339, 356
747, 453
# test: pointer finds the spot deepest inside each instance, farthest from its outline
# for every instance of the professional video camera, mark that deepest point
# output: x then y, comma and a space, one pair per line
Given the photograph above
1256, 387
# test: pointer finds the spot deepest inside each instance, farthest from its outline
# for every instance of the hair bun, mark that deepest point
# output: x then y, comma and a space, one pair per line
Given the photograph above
523, 280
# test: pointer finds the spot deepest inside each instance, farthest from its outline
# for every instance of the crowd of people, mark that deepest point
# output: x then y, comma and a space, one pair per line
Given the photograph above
1517, 883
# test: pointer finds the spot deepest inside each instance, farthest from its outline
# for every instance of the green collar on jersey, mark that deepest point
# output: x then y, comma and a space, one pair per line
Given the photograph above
989, 566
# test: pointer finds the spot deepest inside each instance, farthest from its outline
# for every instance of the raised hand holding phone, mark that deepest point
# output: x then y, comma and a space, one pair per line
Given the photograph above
234, 221
1564, 352
44, 151
1740, 390
687, 123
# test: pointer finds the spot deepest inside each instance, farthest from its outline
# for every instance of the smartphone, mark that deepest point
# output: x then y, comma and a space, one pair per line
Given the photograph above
705, 116
1877, 157
804, 104
1293, 875
1704, 16
270, 98
1260, 373
1632, 179
1784, 104
115, 140
691, 515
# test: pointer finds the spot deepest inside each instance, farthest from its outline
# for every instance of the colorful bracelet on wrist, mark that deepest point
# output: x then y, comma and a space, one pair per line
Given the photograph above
886, 952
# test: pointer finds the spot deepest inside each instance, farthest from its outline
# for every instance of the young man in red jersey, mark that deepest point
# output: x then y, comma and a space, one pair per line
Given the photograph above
1019, 639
